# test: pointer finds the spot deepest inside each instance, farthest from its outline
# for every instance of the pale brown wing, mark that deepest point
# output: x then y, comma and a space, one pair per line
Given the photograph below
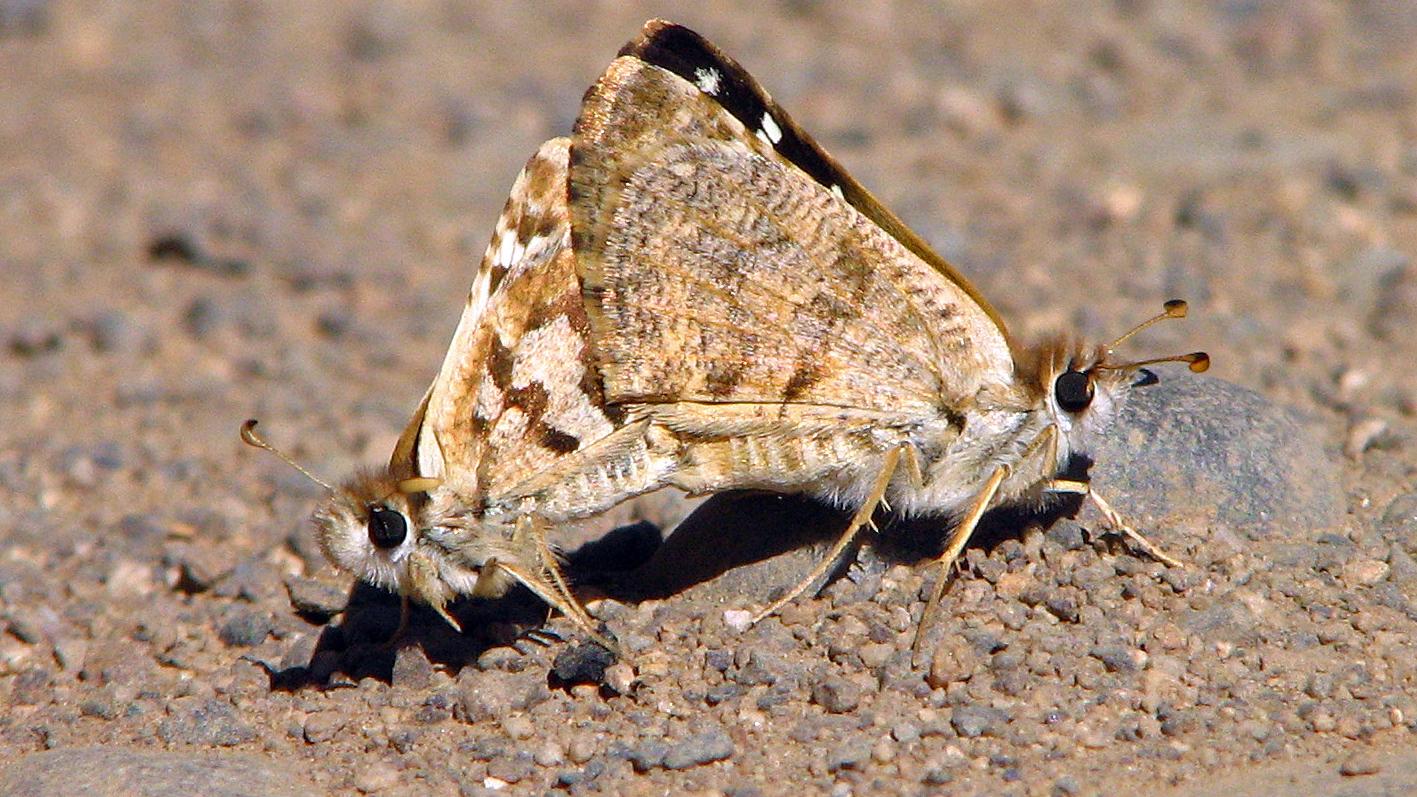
516, 393
717, 270
677, 49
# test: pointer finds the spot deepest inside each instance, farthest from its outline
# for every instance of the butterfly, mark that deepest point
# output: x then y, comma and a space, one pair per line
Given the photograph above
752, 301
512, 438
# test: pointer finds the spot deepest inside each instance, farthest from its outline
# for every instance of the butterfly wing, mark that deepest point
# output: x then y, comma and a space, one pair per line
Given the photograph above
515, 394
727, 259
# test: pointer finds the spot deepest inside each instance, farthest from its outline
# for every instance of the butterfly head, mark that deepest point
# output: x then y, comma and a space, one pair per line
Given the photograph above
370, 528
1082, 388
383, 527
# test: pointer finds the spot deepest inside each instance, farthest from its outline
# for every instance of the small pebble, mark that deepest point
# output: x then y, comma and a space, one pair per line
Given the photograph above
905, 732
837, 695
876, 654
322, 726
518, 726
620, 677
511, 769
1364, 572
737, 620
973, 721
702, 748
315, 598
412, 669
1361, 763
648, 755
548, 754
380, 776
245, 629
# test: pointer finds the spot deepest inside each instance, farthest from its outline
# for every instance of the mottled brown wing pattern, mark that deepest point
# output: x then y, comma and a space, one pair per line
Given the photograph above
685, 53
717, 271
515, 394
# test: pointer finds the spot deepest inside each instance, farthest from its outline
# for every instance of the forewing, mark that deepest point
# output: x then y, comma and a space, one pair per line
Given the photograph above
726, 258
515, 393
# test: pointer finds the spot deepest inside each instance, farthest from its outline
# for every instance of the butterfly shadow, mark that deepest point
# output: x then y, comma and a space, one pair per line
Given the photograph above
753, 545
365, 641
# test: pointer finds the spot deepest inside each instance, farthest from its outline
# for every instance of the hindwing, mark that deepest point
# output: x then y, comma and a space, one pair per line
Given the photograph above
726, 258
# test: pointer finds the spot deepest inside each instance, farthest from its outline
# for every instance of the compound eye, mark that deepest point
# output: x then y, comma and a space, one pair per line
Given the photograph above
387, 528
1073, 391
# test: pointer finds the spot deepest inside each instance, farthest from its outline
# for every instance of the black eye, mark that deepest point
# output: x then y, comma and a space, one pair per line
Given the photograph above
387, 528
1073, 390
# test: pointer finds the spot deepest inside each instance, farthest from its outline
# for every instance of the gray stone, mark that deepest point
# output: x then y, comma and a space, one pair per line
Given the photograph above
412, 669
205, 722
647, 755
1399, 522
702, 748
101, 771
973, 721
836, 695
315, 598
245, 629
512, 769
1199, 452
1116, 658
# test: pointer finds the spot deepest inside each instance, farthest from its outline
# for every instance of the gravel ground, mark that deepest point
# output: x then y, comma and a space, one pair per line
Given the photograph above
212, 211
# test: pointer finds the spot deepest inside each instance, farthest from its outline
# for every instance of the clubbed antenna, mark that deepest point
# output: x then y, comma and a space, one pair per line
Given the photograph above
249, 437
1176, 308
1198, 361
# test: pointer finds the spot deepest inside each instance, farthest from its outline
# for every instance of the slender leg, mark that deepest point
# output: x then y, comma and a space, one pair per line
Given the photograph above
958, 539
861, 518
570, 605
554, 591
405, 612
1113, 518
425, 584
562, 604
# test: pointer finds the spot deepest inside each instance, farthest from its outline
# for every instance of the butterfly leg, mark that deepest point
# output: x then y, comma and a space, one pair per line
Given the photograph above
405, 612
1114, 519
552, 587
858, 520
959, 537
426, 585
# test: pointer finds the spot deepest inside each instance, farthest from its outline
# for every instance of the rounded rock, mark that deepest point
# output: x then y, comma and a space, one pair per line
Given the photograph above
1202, 452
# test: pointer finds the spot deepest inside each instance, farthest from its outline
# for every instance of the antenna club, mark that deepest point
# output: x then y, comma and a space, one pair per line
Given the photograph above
248, 434
250, 438
1176, 308
1199, 362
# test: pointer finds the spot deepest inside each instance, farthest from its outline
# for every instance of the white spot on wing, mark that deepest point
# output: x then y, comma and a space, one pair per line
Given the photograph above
505, 248
836, 192
770, 130
481, 287
549, 355
489, 400
707, 78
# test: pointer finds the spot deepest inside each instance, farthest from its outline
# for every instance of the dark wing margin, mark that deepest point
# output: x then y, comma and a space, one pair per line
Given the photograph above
692, 57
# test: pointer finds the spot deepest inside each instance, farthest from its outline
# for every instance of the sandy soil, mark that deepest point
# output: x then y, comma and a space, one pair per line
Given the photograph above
212, 211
